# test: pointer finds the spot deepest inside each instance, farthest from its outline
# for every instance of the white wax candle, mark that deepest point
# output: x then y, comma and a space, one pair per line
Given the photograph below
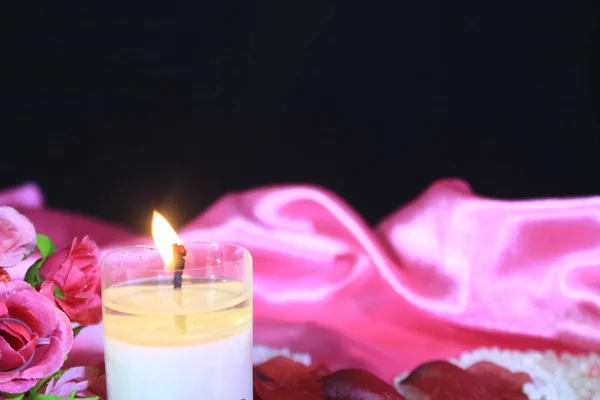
218, 370
147, 357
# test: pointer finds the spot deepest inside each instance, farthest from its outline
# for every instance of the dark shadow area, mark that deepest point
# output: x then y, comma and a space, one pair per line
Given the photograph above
118, 109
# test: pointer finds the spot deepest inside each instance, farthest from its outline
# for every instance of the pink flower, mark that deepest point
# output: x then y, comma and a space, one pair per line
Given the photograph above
35, 337
17, 237
83, 380
75, 271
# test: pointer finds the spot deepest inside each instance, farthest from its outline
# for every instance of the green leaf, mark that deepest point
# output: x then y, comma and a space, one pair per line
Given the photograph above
32, 276
38, 396
58, 293
41, 382
10, 396
78, 329
45, 245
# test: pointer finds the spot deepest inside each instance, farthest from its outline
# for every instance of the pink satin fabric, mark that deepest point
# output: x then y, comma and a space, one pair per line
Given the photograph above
446, 273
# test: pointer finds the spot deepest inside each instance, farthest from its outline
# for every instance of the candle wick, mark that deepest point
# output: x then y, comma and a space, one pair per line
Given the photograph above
179, 253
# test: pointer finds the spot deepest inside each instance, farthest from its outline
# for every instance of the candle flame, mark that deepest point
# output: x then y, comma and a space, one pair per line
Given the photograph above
164, 236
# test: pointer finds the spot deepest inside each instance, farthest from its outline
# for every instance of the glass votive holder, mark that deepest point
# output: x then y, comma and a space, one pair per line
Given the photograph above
188, 343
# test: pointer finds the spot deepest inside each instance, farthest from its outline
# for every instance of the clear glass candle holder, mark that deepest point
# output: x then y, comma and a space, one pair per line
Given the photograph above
188, 343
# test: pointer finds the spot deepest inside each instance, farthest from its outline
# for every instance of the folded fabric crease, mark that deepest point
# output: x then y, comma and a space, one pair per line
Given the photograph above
448, 272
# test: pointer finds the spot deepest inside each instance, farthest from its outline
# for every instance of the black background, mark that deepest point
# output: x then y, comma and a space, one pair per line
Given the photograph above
115, 109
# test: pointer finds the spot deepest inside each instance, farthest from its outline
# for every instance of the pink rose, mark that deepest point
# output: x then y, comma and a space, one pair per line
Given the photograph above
75, 271
86, 381
35, 337
17, 237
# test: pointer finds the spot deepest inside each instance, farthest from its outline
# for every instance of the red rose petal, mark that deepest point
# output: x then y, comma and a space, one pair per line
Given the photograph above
499, 376
283, 369
444, 381
3, 309
357, 384
11, 358
293, 374
320, 370
18, 331
271, 390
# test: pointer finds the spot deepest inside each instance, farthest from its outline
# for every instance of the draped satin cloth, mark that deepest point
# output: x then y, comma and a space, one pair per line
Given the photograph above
446, 273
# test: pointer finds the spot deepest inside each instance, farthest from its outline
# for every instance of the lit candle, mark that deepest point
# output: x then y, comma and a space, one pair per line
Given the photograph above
178, 320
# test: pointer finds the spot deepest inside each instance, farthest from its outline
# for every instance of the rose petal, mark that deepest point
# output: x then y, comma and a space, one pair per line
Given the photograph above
47, 290
357, 384
286, 371
320, 370
10, 358
50, 386
14, 287
98, 387
17, 385
446, 381
83, 312
78, 373
66, 389
3, 310
17, 237
497, 375
27, 305
76, 280
27, 351
53, 264
42, 316
17, 331
49, 358
7, 377
79, 379
271, 390
76, 272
